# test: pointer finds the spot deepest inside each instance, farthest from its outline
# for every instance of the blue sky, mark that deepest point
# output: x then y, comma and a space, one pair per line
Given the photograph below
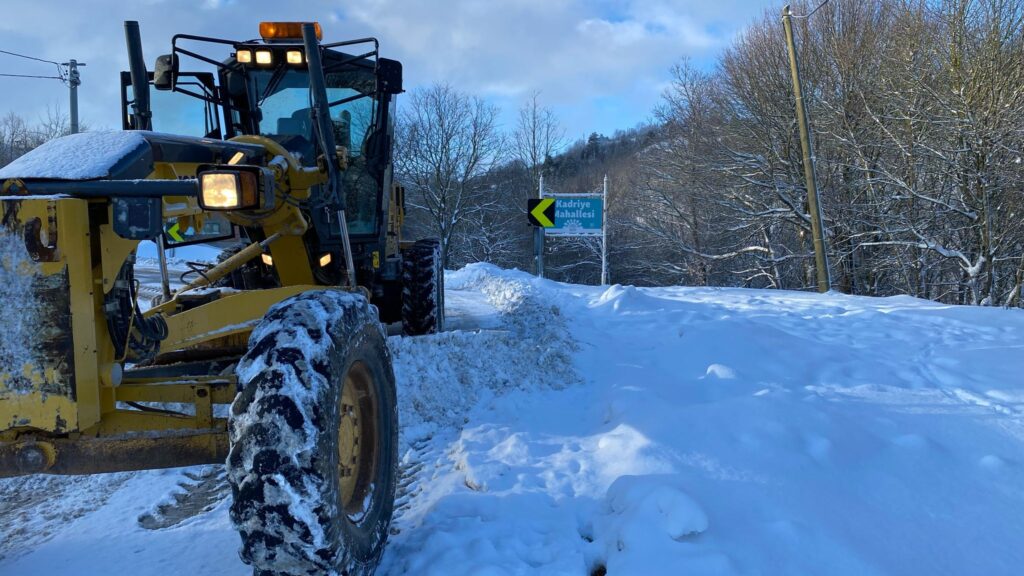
600, 64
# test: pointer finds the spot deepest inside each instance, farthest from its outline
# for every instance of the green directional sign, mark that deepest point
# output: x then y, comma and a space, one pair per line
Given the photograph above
568, 215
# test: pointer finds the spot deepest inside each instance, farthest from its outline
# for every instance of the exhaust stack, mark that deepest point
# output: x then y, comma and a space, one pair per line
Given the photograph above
140, 76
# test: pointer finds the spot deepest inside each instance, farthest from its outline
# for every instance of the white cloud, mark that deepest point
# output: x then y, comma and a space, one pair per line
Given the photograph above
601, 64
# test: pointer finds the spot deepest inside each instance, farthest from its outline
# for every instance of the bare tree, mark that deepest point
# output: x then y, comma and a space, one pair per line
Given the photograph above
917, 112
537, 138
17, 137
54, 124
447, 142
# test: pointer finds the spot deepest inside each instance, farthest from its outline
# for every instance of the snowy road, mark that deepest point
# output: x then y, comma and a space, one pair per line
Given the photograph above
644, 431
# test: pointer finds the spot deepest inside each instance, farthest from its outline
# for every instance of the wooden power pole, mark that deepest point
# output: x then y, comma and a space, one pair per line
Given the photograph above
817, 230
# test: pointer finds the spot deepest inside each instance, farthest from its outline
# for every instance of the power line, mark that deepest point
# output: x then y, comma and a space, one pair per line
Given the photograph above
61, 75
32, 76
29, 57
820, 6
67, 73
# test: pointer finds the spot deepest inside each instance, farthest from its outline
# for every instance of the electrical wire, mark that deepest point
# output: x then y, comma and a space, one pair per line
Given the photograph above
62, 72
29, 57
812, 11
32, 76
818, 8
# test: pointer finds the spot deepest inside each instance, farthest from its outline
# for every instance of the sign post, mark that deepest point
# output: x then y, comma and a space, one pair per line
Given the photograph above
604, 233
538, 232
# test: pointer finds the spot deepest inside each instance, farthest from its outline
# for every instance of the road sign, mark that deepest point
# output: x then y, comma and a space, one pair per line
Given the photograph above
568, 215
541, 212
174, 233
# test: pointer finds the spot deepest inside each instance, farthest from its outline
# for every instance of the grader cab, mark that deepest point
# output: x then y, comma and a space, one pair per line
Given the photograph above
273, 360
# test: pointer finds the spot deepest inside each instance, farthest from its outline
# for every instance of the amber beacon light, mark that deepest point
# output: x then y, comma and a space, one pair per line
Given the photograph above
286, 30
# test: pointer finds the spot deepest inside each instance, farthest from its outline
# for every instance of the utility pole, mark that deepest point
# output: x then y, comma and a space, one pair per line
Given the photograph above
538, 237
604, 232
817, 230
67, 72
74, 80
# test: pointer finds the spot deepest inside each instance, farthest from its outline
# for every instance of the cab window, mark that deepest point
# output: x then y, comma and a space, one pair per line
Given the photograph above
285, 104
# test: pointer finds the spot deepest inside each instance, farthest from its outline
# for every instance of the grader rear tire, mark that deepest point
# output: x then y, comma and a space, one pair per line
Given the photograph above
314, 439
422, 288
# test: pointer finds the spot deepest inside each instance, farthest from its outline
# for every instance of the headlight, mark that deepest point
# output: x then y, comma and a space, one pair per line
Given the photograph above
293, 57
244, 56
227, 190
265, 57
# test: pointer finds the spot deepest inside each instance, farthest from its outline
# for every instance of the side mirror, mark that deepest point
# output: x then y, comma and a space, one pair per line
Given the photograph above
389, 74
165, 73
235, 84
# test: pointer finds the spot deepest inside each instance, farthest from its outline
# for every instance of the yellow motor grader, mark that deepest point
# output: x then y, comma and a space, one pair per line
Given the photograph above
272, 360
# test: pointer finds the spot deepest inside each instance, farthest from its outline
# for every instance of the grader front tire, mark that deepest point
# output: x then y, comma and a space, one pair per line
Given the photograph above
314, 439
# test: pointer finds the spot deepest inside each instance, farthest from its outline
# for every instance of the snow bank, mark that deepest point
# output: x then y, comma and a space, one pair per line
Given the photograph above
84, 156
442, 376
728, 431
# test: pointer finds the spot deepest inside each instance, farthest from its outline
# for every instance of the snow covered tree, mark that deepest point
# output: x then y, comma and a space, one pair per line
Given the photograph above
446, 142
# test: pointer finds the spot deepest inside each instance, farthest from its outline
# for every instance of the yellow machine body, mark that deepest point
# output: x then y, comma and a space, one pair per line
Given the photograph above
63, 386
89, 381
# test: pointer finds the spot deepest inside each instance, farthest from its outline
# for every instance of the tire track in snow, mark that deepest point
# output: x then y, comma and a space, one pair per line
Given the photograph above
33, 509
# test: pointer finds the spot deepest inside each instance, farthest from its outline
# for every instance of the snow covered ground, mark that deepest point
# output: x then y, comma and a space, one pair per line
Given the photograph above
561, 429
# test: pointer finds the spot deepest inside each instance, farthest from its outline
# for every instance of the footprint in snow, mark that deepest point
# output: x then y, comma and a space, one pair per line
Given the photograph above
720, 372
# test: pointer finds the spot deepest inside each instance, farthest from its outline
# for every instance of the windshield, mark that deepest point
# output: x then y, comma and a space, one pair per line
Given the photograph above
285, 104
286, 110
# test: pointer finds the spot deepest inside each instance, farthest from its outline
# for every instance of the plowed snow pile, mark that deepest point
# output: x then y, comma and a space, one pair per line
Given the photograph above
653, 431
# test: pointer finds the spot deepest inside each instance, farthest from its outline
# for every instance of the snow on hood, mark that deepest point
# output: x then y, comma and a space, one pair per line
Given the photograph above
84, 156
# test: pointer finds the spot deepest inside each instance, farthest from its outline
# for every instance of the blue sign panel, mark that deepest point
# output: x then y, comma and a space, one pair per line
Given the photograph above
581, 216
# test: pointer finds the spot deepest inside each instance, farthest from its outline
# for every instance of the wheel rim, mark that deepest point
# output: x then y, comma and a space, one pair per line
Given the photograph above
357, 440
